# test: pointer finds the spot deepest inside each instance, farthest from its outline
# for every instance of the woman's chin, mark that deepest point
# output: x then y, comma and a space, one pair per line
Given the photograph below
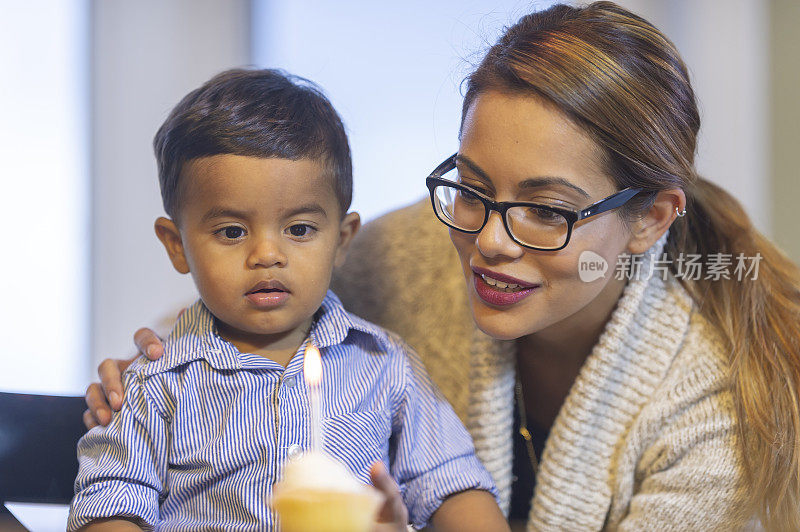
502, 325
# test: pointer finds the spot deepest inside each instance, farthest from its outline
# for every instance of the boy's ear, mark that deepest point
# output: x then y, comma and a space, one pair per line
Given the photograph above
350, 225
647, 230
170, 236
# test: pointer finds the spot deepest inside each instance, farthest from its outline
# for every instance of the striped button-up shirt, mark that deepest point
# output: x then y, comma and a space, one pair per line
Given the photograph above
204, 430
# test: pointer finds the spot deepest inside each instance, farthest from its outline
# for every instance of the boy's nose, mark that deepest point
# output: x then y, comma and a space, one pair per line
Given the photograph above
265, 254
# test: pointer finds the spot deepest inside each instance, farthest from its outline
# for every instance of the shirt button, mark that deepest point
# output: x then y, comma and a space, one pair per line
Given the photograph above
294, 451
290, 382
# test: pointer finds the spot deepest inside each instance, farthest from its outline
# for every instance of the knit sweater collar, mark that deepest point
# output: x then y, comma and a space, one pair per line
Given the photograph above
630, 358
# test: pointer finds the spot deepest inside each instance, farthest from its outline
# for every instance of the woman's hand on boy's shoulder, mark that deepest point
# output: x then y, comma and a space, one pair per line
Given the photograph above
106, 396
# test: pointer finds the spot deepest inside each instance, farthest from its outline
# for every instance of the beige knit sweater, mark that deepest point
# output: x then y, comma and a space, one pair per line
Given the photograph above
646, 439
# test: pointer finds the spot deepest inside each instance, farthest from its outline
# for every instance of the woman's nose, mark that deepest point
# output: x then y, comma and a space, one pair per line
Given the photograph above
265, 253
494, 241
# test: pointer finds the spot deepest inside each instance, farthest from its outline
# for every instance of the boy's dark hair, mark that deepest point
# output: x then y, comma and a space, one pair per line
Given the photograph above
255, 113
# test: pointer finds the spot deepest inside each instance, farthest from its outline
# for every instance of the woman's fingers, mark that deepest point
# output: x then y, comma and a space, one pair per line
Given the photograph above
148, 343
103, 397
99, 411
110, 372
88, 419
393, 514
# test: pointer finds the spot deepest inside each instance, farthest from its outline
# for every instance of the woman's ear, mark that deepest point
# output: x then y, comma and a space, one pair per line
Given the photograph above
350, 225
647, 230
170, 236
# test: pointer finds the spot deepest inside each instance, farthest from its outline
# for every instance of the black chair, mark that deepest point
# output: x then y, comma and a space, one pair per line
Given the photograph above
38, 439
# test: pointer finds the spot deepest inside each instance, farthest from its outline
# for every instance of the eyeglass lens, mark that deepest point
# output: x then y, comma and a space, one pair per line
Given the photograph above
531, 226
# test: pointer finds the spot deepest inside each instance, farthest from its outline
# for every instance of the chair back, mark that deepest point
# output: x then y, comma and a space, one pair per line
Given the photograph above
38, 439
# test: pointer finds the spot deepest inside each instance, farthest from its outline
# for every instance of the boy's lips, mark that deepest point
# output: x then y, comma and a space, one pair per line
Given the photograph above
267, 294
499, 289
273, 285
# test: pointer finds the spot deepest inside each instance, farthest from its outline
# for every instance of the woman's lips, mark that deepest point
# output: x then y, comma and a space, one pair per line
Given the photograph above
498, 289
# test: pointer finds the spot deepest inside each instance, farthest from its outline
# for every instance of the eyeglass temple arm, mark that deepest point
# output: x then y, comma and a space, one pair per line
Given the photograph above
446, 166
617, 200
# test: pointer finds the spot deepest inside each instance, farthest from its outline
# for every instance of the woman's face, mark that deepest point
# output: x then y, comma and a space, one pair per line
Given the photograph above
518, 148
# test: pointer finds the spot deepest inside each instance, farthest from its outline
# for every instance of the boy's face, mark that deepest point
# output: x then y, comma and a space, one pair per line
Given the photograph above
260, 238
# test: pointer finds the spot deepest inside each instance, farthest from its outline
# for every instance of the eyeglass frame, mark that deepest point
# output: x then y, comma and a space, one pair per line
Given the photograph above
618, 199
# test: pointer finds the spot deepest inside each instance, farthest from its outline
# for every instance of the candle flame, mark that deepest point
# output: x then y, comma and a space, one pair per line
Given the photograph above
312, 365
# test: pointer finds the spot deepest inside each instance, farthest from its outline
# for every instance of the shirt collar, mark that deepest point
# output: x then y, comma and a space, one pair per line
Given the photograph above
195, 337
333, 323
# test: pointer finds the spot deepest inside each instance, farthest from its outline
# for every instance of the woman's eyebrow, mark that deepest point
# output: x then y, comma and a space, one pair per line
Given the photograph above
472, 166
532, 182
545, 181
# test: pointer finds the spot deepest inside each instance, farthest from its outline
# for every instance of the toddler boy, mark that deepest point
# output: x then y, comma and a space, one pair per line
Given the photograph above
256, 178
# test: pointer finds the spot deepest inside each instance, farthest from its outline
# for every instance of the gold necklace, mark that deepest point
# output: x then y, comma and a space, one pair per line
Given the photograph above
523, 428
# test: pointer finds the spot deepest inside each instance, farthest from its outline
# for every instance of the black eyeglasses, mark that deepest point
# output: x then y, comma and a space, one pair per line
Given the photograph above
531, 225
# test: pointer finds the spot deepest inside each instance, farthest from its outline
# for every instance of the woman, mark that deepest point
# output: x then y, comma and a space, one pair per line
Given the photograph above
667, 399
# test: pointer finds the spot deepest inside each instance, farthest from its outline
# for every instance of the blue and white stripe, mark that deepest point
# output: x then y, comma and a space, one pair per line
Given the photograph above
204, 431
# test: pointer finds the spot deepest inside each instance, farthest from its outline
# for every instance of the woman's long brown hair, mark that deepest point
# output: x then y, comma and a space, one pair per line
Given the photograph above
624, 82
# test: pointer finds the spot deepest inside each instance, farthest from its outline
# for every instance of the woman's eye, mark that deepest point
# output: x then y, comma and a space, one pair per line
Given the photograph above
547, 216
467, 197
232, 232
300, 230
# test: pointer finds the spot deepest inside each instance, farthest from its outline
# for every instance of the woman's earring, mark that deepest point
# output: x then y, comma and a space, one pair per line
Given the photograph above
680, 214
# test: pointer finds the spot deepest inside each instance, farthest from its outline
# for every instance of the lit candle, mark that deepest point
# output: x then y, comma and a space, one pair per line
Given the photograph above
312, 371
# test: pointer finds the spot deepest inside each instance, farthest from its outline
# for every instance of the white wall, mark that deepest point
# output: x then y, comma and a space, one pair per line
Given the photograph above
147, 55
725, 46
785, 127
44, 206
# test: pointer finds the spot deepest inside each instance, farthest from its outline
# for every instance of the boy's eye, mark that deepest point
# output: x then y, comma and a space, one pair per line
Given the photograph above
232, 232
300, 230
